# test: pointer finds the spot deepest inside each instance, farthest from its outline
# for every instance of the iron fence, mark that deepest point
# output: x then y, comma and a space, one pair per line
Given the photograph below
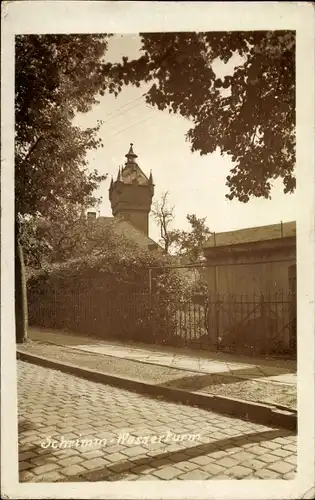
102, 313
243, 323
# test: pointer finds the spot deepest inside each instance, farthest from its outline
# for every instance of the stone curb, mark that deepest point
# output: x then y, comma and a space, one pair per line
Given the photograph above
255, 412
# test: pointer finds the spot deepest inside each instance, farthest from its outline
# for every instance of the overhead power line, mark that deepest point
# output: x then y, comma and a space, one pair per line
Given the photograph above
127, 104
132, 125
123, 112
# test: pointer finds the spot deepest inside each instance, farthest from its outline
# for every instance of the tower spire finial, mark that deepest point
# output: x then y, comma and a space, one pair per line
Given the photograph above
131, 156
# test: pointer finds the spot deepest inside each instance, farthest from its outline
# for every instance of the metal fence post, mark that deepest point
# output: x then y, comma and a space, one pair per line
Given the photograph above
263, 322
217, 322
217, 309
150, 302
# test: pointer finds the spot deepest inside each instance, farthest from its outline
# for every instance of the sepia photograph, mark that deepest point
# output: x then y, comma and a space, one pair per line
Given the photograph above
156, 215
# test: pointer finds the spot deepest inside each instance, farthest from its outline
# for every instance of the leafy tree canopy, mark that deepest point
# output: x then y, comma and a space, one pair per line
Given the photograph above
56, 76
67, 234
249, 114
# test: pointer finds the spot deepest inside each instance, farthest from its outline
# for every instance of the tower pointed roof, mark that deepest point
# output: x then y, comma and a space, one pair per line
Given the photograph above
131, 173
131, 156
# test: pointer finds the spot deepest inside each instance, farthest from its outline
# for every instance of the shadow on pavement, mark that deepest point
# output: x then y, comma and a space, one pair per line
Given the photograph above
108, 474
25, 425
200, 381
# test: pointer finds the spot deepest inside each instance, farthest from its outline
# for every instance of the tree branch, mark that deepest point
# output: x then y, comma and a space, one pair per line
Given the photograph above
31, 150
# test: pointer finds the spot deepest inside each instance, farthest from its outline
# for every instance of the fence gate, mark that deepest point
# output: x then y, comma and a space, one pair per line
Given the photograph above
180, 317
253, 324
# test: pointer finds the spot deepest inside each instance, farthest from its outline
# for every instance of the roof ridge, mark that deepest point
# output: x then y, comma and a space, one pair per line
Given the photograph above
256, 227
252, 234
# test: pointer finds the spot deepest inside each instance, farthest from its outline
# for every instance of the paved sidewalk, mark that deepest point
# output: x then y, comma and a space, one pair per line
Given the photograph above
264, 369
72, 429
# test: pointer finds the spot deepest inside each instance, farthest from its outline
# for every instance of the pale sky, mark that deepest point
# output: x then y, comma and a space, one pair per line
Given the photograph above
196, 184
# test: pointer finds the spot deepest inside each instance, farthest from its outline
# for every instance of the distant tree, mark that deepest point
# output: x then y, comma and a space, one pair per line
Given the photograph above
164, 214
56, 76
190, 243
249, 115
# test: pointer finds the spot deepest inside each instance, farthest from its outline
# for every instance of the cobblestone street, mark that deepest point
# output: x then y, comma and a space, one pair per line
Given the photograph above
71, 429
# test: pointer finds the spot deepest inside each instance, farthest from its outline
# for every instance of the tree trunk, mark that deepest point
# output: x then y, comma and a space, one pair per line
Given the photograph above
20, 292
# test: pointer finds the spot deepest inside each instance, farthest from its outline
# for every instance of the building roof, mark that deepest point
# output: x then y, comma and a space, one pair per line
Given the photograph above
252, 234
124, 228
